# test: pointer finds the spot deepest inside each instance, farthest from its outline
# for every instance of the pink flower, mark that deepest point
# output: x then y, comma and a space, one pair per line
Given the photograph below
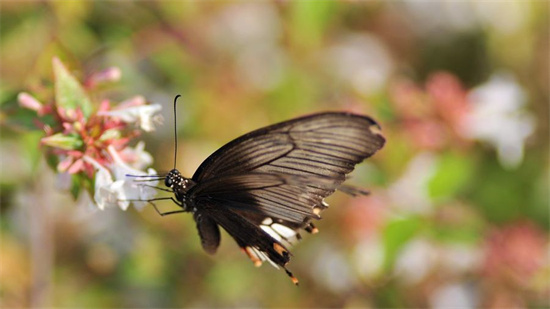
515, 253
432, 118
365, 216
108, 75
449, 98
90, 140
428, 134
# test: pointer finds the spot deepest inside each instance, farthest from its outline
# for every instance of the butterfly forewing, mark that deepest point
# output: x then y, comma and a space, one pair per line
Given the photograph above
329, 143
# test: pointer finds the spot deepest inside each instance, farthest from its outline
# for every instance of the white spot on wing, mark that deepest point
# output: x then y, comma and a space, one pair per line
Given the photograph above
264, 257
271, 232
375, 129
283, 230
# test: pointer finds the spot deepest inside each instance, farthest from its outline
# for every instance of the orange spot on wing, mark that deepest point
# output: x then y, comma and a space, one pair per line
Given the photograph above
280, 249
257, 262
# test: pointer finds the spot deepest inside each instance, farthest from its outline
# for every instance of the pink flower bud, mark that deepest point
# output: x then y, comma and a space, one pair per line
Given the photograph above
76, 167
62, 141
65, 164
108, 75
28, 101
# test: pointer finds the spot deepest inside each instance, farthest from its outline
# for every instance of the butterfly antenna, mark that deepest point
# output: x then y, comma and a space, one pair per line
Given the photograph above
175, 132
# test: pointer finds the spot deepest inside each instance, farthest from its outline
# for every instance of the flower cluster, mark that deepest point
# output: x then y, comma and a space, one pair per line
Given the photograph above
445, 114
91, 141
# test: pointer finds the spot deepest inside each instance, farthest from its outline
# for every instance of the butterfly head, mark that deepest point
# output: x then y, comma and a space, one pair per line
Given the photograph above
174, 177
179, 184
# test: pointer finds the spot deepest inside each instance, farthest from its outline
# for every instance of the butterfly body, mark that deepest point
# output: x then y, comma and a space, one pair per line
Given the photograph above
265, 186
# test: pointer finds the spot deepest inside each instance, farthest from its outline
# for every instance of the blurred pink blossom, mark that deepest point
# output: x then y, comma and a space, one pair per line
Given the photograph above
515, 253
431, 117
427, 134
449, 98
109, 75
409, 100
366, 215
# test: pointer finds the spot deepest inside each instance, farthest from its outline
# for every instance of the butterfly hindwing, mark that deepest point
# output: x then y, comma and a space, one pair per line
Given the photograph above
247, 234
209, 232
281, 196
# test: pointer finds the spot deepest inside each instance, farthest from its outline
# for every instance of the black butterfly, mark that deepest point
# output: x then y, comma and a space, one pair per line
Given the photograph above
265, 186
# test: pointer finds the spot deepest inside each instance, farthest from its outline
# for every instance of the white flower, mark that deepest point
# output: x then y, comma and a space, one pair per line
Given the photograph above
128, 188
244, 25
362, 61
332, 269
114, 188
137, 157
368, 257
421, 256
415, 261
410, 192
144, 115
460, 258
104, 194
454, 295
498, 118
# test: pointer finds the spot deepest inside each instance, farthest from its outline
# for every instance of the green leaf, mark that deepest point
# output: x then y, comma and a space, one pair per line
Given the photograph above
62, 141
396, 234
31, 142
16, 118
453, 173
309, 21
75, 186
506, 195
69, 93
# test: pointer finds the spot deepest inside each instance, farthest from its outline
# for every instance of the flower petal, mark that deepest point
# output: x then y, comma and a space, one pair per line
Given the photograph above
144, 115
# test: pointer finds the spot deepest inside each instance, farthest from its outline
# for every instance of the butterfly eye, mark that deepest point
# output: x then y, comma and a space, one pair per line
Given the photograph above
168, 181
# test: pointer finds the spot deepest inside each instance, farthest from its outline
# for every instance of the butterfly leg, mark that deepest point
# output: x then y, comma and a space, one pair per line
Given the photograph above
158, 188
168, 212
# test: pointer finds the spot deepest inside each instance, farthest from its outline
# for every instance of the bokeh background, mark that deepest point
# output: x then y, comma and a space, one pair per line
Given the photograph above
458, 214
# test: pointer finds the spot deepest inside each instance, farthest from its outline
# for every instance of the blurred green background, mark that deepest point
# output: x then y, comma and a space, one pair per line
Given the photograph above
458, 214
